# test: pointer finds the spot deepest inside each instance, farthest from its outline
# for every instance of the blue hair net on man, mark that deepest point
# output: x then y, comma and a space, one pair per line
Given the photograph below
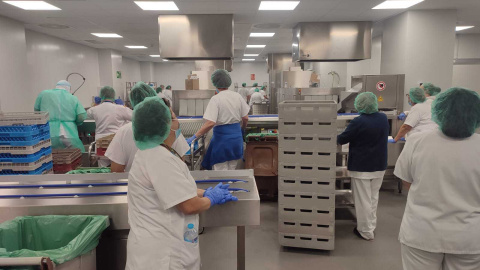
457, 112
151, 122
417, 95
366, 103
221, 79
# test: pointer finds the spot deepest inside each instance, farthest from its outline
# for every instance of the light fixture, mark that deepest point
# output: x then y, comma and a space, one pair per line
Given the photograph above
135, 47
154, 55
262, 34
157, 5
252, 54
278, 5
165, 60
32, 5
397, 4
256, 46
248, 59
107, 35
461, 28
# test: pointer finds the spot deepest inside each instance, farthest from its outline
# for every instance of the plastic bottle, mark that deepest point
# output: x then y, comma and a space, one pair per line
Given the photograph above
191, 234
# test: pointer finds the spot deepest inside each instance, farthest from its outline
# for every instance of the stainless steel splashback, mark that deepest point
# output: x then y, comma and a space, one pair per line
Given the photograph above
332, 41
196, 37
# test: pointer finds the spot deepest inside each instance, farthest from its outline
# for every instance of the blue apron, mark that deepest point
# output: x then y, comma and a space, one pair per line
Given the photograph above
225, 145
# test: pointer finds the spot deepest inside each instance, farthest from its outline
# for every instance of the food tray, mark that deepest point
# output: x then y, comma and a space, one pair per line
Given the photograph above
90, 170
27, 166
101, 152
43, 169
23, 118
104, 142
23, 131
25, 141
25, 150
5, 157
64, 168
66, 156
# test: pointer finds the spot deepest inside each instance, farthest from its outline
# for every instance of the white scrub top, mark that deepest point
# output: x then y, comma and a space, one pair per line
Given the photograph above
420, 118
257, 97
109, 117
430, 100
264, 94
161, 95
122, 149
251, 91
157, 183
244, 93
442, 214
225, 108
168, 95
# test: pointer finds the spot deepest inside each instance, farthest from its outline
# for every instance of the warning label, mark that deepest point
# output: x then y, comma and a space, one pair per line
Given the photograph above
380, 99
381, 86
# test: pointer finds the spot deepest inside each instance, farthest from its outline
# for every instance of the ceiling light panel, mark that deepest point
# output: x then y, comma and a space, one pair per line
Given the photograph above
397, 4
107, 35
262, 34
135, 47
32, 5
157, 5
278, 5
460, 28
251, 55
256, 46
154, 55
248, 59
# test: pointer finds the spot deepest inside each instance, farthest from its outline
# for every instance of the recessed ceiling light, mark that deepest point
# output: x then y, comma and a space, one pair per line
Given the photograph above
460, 28
135, 47
154, 55
397, 4
253, 54
54, 26
32, 5
165, 60
262, 34
107, 35
248, 59
157, 5
278, 5
256, 46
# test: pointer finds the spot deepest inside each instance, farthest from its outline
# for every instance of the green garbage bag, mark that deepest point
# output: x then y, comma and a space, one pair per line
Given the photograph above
61, 238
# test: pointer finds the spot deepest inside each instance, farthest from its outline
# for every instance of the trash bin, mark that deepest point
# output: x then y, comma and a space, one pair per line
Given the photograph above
69, 241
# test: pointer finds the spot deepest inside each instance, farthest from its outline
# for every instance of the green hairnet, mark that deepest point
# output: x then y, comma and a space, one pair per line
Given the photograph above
255, 84
221, 79
457, 112
151, 123
436, 91
257, 90
366, 103
244, 84
417, 95
107, 92
263, 87
168, 87
139, 92
159, 89
429, 88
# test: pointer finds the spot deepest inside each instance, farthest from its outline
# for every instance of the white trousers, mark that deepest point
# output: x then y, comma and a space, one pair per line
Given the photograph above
365, 194
414, 259
226, 166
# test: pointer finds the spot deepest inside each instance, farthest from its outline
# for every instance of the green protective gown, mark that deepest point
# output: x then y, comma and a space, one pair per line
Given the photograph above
66, 113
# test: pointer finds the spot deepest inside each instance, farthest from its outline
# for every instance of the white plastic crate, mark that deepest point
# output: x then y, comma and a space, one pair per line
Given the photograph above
306, 227
23, 118
25, 150
307, 199
311, 213
307, 241
309, 142
318, 111
301, 184
26, 166
306, 170
307, 157
308, 127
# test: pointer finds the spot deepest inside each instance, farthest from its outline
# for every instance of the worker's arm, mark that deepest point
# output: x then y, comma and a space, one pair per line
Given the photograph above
406, 185
200, 192
404, 129
207, 126
350, 132
80, 118
194, 205
244, 122
117, 168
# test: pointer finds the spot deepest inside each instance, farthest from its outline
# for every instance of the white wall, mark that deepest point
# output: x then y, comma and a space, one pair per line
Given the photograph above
241, 73
467, 48
130, 70
366, 67
147, 71
467, 76
174, 74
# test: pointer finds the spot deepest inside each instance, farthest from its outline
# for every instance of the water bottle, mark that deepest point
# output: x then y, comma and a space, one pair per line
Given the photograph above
191, 234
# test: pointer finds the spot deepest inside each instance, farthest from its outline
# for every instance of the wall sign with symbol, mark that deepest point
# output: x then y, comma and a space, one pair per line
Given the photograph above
252, 77
381, 86
380, 99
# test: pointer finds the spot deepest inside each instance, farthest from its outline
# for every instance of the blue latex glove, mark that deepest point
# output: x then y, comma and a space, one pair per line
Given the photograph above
402, 116
391, 141
402, 139
190, 140
98, 100
219, 194
119, 101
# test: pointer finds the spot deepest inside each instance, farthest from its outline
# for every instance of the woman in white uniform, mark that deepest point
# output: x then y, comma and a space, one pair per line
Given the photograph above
122, 149
441, 225
431, 91
168, 94
419, 118
163, 200
257, 97
244, 91
227, 114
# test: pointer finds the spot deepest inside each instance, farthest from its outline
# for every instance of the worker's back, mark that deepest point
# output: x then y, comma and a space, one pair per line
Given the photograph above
109, 118
257, 97
60, 104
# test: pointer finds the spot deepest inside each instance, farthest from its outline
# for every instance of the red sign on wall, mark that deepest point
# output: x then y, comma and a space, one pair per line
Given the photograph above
252, 77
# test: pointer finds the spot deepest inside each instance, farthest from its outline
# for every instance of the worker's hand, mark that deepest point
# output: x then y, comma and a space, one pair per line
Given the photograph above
119, 101
219, 194
191, 139
402, 139
98, 100
391, 141
402, 116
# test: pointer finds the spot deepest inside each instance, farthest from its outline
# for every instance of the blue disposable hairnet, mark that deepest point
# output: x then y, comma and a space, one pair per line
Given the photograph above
139, 92
151, 122
221, 79
107, 92
417, 95
457, 112
366, 103
63, 85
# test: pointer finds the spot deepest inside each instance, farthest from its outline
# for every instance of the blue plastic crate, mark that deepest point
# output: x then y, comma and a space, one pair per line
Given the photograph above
25, 141
25, 158
23, 131
43, 169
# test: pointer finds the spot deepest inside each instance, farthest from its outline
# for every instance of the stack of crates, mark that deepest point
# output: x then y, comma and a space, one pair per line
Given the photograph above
65, 160
102, 144
25, 146
306, 174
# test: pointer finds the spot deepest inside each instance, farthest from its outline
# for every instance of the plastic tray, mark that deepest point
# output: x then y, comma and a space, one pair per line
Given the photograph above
23, 118
25, 141
64, 168
28, 166
25, 158
66, 156
44, 169
104, 142
101, 152
25, 150
22, 131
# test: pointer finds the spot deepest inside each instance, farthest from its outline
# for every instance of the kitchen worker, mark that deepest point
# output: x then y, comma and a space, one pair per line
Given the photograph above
122, 149
109, 117
262, 91
163, 200
168, 94
251, 91
419, 118
65, 112
367, 160
159, 91
257, 97
244, 91
227, 114
440, 226
430, 91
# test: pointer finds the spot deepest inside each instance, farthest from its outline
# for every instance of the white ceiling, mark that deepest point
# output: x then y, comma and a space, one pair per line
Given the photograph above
140, 27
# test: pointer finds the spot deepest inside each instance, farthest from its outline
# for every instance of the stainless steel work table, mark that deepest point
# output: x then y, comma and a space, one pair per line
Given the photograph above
112, 200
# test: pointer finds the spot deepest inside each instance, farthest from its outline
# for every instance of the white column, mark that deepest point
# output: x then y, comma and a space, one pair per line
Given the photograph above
147, 71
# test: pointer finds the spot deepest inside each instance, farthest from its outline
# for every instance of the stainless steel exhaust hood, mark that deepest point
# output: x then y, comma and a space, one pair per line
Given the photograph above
196, 37
332, 41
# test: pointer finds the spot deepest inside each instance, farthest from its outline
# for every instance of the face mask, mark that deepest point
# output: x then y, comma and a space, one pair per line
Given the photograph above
410, 103
216, 91
178, 132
